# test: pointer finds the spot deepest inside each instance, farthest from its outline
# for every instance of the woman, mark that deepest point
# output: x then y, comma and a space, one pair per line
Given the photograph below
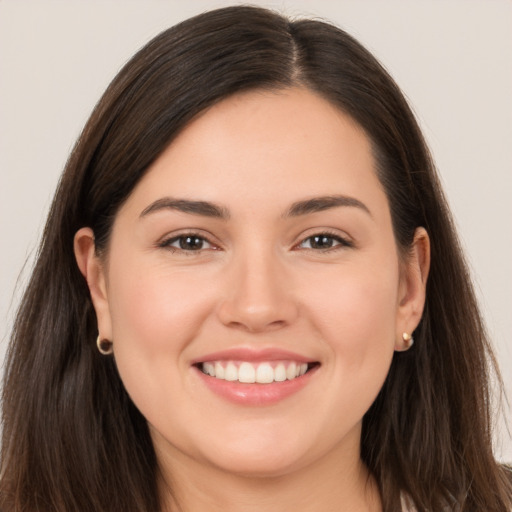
250, 295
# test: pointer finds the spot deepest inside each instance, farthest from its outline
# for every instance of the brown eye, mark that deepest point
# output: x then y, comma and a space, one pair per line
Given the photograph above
190, 243
321, 242
324, 241
187, 243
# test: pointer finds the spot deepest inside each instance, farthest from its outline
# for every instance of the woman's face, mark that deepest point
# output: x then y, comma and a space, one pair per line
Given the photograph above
258, 246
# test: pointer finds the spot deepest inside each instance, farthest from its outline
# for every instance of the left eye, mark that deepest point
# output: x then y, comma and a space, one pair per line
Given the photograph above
188, 243
323, 241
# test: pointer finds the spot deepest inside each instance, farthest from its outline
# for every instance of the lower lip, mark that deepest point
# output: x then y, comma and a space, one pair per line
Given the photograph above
256, 394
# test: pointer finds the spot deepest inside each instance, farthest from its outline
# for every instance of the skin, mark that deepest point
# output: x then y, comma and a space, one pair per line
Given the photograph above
259, 283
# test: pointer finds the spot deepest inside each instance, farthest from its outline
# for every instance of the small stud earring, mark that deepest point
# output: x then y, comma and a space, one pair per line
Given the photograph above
408, 340
106, 347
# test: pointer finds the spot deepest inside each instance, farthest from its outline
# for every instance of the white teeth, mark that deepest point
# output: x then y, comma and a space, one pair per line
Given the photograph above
291, 371
246, 373
261, 373
280, 373
231, 372
220, 372
209, 369
264, 374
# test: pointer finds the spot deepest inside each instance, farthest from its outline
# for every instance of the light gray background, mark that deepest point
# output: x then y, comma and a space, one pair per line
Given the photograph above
452, 59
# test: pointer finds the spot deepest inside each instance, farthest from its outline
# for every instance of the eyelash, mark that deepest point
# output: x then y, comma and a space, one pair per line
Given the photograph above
166, 244
341, 243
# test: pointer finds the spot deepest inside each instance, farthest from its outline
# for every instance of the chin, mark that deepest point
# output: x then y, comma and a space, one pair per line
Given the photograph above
259, 456
262, 465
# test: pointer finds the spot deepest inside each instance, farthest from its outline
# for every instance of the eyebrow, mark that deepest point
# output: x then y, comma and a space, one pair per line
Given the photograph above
208, 209
203, 208
319, 204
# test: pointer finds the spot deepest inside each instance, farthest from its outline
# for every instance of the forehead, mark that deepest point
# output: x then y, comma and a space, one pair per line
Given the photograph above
265, 147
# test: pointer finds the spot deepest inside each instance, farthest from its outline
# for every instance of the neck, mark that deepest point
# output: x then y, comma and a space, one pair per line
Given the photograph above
321, 486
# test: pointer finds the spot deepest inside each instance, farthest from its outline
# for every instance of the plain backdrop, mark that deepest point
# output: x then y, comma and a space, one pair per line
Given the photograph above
451, 58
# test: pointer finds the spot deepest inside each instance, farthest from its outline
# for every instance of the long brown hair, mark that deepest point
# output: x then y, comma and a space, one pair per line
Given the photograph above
73, 440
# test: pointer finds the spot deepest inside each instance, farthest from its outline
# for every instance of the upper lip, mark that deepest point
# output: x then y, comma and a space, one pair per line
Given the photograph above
253, 355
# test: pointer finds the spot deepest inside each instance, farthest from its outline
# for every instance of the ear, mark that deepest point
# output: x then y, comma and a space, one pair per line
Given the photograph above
412, 287
93, 269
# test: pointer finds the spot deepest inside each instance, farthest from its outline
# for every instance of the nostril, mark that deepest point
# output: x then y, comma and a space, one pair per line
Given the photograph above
254, 325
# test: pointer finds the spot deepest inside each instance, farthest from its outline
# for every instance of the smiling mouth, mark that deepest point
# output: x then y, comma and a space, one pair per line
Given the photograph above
265, 372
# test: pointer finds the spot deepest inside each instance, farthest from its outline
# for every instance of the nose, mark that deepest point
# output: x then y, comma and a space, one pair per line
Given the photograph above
259, 295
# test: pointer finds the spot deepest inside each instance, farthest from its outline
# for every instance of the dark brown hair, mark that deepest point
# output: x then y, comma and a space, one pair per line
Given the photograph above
73, 440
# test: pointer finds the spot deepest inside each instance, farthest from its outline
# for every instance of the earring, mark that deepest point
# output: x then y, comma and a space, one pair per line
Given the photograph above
106, 347
408, 340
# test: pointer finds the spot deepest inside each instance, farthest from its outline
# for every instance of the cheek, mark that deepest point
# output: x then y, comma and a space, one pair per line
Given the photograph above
355, 314
155, 308
358, 324
356, 305
155, 315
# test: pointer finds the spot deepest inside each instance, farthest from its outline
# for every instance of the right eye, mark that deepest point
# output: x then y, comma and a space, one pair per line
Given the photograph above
187, 242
